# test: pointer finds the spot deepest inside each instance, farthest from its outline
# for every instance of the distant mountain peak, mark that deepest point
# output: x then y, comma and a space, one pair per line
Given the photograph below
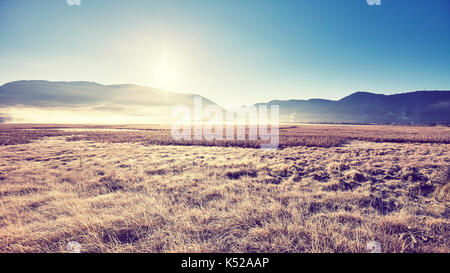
360, 95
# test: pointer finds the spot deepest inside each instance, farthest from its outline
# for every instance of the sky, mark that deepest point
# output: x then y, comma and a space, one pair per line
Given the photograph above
232, 52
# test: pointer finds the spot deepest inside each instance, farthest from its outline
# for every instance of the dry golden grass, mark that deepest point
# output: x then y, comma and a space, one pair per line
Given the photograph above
290, 136
119, 196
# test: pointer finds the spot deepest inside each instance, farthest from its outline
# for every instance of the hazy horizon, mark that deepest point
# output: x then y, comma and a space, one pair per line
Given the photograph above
251, 103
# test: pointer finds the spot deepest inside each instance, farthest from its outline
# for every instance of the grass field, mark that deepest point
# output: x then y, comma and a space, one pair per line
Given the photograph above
306, 135
132, 188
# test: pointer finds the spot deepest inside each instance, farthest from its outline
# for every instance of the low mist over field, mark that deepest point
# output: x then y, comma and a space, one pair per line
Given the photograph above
87, 102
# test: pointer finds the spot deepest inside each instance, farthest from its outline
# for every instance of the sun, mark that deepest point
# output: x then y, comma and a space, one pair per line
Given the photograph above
167, 70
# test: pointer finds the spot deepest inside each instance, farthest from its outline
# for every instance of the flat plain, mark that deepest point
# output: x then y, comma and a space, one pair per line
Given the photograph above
131, 188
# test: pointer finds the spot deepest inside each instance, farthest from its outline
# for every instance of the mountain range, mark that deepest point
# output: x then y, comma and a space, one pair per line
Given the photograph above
359, 107
82, 93
365, 107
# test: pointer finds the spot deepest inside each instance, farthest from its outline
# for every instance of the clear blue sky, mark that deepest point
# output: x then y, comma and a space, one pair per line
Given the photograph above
233, 52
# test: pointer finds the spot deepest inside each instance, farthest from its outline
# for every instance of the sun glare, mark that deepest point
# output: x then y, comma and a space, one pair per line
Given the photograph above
167, 68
